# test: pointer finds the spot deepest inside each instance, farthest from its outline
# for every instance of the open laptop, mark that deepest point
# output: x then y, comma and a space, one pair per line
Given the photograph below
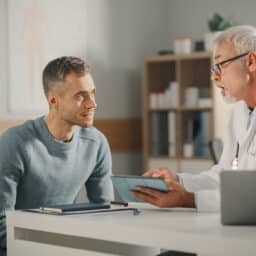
238, 197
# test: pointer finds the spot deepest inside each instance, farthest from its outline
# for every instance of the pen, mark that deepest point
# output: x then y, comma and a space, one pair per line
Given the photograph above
119, 203
234, 164
50, 210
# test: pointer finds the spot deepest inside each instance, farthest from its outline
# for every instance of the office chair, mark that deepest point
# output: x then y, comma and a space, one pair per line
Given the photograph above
215, 146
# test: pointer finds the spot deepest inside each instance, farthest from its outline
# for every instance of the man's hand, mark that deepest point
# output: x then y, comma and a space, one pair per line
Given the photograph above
177, 196
163, 173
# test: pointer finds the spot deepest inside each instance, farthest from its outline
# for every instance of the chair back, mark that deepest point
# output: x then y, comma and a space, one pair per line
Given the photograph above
216, 147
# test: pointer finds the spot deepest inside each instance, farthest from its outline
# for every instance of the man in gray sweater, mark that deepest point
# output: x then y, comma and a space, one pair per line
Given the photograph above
46, 161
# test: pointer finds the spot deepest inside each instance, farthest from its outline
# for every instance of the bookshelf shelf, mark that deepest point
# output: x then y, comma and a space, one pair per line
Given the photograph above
177, 108
182, 108
174, 58
163, 109
179, 158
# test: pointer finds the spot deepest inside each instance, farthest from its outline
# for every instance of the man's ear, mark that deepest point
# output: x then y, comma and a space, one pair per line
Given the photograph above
251, 61
52, 100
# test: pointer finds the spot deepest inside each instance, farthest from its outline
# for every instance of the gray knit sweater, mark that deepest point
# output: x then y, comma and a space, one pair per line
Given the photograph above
37, 170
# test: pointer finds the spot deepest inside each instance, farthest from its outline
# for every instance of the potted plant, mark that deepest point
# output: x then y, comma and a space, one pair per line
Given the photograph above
216, 24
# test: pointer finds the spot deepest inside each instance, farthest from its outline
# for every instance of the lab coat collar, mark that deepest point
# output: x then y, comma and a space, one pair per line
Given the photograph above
243, 132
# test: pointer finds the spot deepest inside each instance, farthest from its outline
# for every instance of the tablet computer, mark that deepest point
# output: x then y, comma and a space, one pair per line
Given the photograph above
125, 184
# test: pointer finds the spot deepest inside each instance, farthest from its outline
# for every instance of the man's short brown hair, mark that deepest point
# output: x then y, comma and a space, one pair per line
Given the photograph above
57, 70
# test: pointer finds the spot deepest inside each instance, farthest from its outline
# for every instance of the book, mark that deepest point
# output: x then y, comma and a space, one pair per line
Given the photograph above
202, 131
158, 135
171, 134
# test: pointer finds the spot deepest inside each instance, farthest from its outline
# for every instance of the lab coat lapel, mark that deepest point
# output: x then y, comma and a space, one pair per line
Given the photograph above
246, 141
243, 132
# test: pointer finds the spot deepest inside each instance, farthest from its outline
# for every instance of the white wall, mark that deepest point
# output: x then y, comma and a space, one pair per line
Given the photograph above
189, 18
122, 34
115, 38
4, 57
39, 31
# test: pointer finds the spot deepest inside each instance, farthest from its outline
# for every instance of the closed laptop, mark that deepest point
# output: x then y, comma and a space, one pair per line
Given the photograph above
238, 197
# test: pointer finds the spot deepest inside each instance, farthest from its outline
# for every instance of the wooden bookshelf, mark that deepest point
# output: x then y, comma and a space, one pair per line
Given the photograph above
185, 71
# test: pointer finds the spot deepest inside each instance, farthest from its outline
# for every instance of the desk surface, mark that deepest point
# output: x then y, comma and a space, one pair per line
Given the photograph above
176, 229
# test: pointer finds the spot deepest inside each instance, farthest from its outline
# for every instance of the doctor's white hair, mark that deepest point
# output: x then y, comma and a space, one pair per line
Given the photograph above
243, 38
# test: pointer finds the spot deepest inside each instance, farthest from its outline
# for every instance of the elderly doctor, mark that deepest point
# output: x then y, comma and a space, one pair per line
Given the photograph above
234, 72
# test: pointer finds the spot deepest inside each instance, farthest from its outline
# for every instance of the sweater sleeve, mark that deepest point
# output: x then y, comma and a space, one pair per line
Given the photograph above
206, 188
99, 185
206, 185
2, 232
10, 174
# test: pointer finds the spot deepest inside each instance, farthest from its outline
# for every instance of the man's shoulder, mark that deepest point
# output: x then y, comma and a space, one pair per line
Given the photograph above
91, 133
22, 131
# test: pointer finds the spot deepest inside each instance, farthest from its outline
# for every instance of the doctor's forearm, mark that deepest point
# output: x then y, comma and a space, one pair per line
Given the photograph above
189, 200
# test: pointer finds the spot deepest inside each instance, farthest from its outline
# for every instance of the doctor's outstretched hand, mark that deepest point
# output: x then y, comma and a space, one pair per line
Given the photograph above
163, 173
177, 196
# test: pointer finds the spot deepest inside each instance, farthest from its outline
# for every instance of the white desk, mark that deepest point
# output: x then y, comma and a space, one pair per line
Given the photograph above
38, 234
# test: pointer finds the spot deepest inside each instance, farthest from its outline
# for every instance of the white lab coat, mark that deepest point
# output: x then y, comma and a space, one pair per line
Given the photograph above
240, 130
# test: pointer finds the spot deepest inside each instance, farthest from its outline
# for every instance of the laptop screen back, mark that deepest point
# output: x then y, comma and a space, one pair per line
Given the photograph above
238, 197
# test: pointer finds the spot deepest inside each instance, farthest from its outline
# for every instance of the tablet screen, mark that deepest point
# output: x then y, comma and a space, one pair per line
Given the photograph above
125, 184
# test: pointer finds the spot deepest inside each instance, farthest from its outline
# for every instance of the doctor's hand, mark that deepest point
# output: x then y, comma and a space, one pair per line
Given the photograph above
163, 173
177, 196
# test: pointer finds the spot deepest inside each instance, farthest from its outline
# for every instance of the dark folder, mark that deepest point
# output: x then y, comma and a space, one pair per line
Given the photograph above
75, 207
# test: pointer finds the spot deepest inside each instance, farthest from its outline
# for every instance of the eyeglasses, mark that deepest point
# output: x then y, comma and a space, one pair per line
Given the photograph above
216, 68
